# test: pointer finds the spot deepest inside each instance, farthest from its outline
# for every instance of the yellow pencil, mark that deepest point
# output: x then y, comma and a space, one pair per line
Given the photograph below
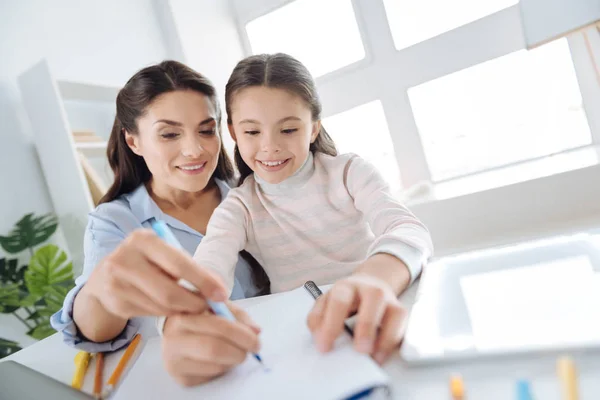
565, 368
457, 387
116, 375
82, 360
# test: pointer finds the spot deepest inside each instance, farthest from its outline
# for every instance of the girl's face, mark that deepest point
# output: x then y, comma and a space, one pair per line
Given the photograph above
273, 129
178, 140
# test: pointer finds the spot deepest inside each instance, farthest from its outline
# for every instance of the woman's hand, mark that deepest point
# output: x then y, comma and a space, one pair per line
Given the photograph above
139, 278
380, 320
200, 347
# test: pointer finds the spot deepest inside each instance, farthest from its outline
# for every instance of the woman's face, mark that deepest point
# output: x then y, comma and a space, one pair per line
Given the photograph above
178, 139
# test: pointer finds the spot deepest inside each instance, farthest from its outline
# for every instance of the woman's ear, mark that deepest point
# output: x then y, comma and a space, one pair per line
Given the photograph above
316, 130
133, 142
231, 132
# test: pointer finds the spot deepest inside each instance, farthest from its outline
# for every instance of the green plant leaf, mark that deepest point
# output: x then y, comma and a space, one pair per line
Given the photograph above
48, 271
9, 297
30, 231
42, 331
8, 347
10, 272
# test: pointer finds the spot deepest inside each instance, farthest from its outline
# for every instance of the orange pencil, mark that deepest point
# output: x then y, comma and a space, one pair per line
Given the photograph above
116, 375
98, 376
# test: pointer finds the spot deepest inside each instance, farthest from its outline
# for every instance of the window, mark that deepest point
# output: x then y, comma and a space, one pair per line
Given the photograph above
363, 130
522, 106
413, 21
323, 35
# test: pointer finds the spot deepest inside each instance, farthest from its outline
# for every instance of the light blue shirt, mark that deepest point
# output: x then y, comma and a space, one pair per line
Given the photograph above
107, 226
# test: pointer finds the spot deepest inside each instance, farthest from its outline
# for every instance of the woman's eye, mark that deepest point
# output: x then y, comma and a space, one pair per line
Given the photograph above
289, 131
169, 135
252, 132
208, 131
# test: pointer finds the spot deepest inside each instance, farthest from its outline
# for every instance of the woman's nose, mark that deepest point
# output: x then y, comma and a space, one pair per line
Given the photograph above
192, 147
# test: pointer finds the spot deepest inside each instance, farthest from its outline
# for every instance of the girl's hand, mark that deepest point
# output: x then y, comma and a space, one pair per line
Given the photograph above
200, 347
380, 321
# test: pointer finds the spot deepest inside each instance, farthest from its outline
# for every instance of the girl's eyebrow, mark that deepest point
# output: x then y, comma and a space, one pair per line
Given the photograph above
253, 121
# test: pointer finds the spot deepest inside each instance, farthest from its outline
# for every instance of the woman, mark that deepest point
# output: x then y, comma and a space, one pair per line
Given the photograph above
166, 152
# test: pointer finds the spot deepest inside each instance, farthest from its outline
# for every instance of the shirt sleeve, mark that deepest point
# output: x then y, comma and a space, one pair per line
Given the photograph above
397, 231
225, 238
102, 236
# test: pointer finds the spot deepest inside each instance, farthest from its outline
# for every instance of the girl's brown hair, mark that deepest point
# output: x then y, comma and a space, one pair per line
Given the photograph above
139, 92
283, 72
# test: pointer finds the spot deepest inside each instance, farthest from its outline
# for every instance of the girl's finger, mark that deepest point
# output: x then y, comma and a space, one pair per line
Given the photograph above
315, 317
341, 298
372, 306
392, 331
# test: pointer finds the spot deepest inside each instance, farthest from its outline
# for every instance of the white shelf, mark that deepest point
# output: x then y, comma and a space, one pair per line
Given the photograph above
92, 149
87, 91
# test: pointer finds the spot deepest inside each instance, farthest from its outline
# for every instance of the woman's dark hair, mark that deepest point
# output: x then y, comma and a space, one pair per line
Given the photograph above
139, 92
130, 170
283, 72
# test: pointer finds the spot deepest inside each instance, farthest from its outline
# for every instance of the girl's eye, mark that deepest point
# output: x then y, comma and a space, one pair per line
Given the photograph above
289, 131
252, 132
169, 135
208, 131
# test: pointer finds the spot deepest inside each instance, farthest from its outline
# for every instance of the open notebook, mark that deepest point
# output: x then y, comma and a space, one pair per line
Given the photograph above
297, 369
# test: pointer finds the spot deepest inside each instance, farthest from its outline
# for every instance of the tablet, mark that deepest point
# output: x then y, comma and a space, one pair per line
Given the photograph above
20, 382
540, 296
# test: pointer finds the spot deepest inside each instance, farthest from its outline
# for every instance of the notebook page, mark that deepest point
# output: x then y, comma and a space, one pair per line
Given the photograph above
296, 369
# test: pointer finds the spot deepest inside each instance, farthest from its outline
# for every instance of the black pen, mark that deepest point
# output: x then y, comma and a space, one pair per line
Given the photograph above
315, 292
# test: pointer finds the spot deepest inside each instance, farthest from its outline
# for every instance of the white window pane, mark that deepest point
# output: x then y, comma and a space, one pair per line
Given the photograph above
323, 35
413, 21
517, 107
363, 130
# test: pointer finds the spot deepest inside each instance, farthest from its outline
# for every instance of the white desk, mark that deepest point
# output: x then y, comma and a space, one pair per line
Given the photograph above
488, 380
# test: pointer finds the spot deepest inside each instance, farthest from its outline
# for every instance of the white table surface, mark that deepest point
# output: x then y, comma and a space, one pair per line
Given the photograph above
489, 379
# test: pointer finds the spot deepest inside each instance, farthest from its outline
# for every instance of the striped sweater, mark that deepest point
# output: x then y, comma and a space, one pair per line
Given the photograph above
319, 224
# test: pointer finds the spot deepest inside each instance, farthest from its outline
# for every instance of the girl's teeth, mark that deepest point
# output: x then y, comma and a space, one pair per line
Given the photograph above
272, 163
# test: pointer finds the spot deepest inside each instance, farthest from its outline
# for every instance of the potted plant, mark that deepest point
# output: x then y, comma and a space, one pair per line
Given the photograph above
31, 292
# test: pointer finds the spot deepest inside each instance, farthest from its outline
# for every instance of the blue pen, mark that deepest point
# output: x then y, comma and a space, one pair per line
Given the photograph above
523, 390
220, 309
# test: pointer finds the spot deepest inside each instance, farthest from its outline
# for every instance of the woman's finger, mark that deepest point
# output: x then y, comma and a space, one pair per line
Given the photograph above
392, 331
235, 333
160, 287
370, 312
341, 298
204, 348
243, 317
177, 263
183, 366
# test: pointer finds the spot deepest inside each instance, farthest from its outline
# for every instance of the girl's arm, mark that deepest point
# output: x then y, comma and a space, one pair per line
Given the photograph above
402, 243
225, 237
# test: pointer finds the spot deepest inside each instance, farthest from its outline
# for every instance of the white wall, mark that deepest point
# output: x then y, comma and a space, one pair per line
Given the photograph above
101, 42
210, 42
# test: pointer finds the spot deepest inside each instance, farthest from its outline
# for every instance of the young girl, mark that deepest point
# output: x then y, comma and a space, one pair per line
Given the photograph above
307, 213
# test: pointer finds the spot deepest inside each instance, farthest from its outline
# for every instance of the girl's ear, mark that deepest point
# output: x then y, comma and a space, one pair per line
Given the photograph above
231, 132
133, 142
316, 130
